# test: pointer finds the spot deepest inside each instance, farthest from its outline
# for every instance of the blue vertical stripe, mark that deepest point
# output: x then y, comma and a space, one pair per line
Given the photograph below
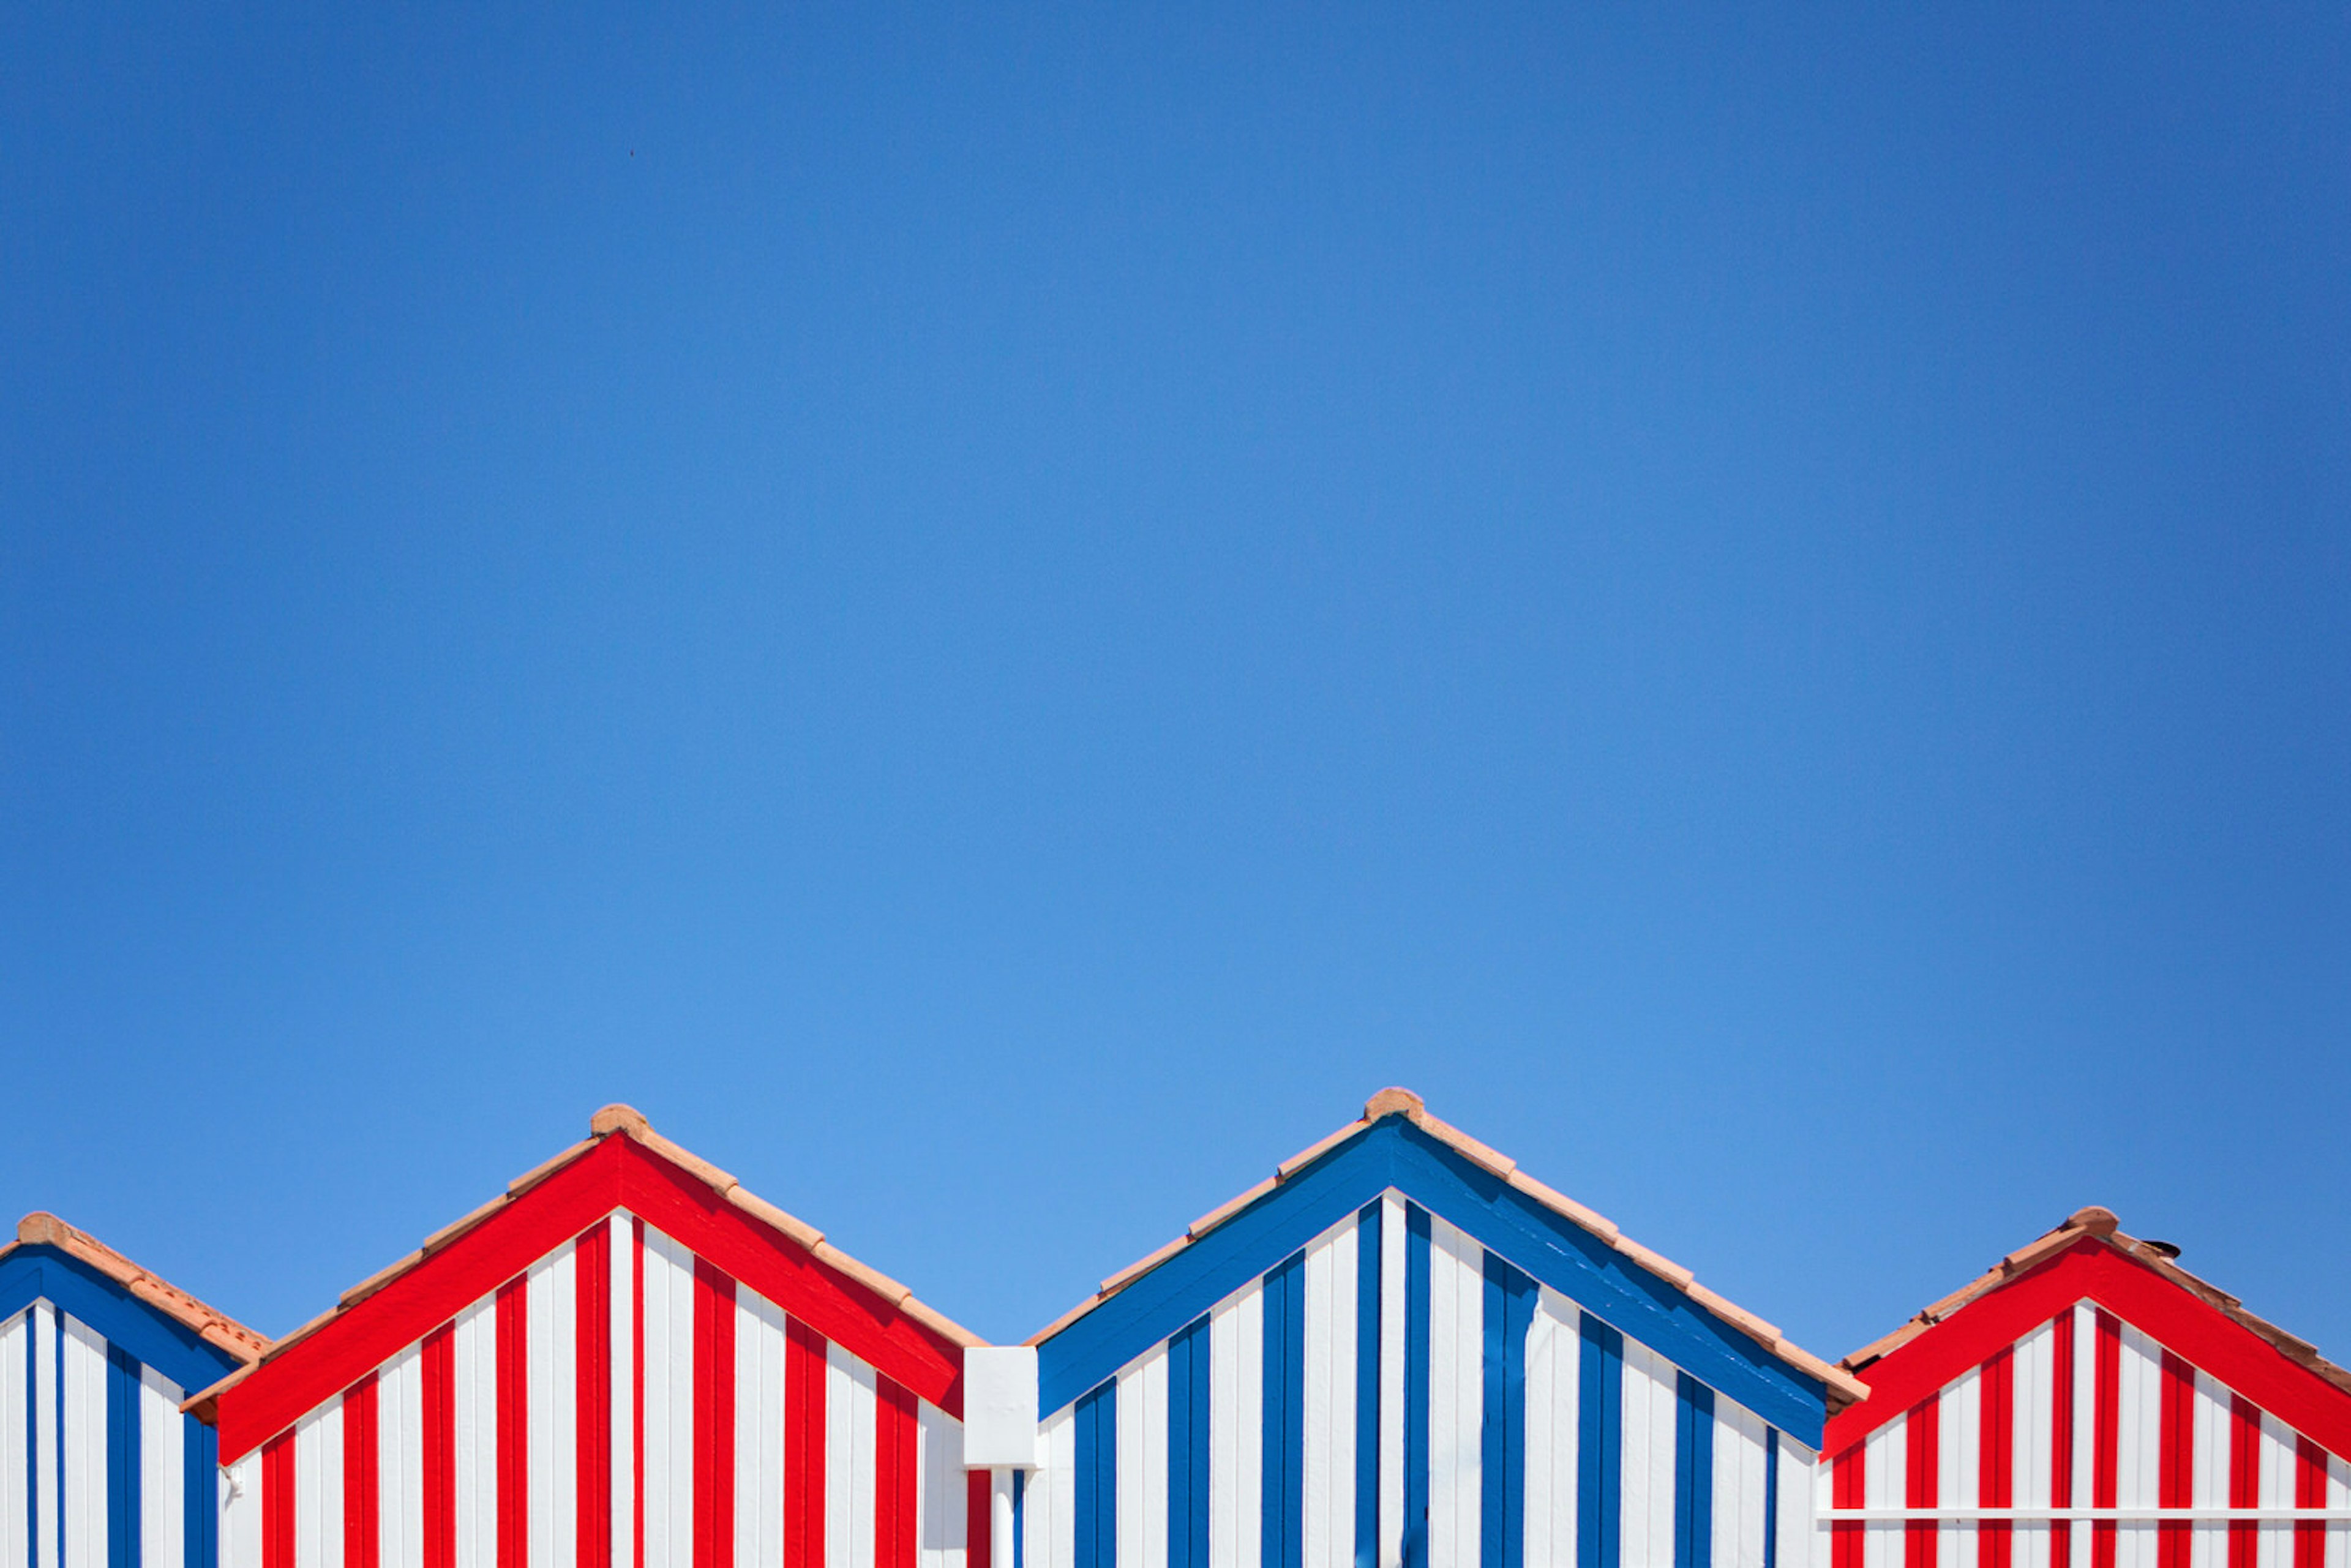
1020, 1518
1600, 1446
58, 1432
1367, 1386
1510, 1305
1693, 1472
1415, 1387
122, 1459
1188, 1445
1281, 1502
202, 1455
1770, 1498
1097, 1477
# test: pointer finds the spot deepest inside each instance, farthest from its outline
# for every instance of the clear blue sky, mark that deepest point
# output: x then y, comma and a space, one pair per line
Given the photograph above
997, 619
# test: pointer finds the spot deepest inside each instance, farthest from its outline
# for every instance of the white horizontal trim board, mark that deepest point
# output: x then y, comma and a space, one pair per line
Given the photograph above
2123, 1515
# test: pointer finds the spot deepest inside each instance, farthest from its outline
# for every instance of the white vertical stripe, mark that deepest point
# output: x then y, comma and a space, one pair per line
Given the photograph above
621, 1292
1000, 1546
14, 1520
668, 1477
474, 1355
1647, 1534
1049, 1512
1554, 1369
1393, 1240
849, 1454
539, 1410
944, 1498
1958, 1466
308, 1512
2276, 1548
758, 1431
162, 1472
1740, 1500
45, 1425
1329, 1450
399, 1460
1456, 1393
2084, 1396
2209, 1477
85, 1445
2139, 1467
2032, 1404
241, 1513
1884, 1454
563, 1491
1792, 1508
1236, 1435
328, 1532
1142, 1503
2338, 1495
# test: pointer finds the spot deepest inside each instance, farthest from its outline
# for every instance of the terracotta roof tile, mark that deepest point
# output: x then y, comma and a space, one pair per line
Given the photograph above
2099, 1225
1843, 1388
618, 1121
214, 1327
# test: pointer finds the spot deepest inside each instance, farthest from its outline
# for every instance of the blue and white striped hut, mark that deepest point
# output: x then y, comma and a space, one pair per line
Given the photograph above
99, 1468
1401, 1351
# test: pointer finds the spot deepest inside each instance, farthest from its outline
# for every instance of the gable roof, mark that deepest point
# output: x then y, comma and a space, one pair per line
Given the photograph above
623, 1164
152, 1318
1397, 1143
2089, 1258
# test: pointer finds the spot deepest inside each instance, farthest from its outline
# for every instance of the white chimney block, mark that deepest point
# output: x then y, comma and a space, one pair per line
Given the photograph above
999, 1407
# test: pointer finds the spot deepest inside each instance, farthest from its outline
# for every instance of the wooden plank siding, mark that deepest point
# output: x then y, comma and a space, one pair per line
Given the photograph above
1397, 1394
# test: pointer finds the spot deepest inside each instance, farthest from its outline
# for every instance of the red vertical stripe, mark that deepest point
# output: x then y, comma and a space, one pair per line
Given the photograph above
362, 1477
277, 1502
714, 1416
2309, 1491
1847, 1476
804, 1446
513, 1378
979, 1518
439, 1366
2107, 1397
2244, 1480
2176, 1460
895, 1459
592, 1275
637, 1404
1921, 1433
2061, 1438
1996, 1444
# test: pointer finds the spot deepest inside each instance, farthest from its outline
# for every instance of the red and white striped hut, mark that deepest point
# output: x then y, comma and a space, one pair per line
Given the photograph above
627, 1360
2089, 1403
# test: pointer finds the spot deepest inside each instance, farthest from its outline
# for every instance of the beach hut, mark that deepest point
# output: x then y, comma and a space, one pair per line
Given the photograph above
626, 1361
98, 1467
1401, 1351
2090, 1403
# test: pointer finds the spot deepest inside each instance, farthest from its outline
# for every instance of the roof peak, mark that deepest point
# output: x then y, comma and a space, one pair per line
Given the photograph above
619, 1117
2094, 1224
1399, 1103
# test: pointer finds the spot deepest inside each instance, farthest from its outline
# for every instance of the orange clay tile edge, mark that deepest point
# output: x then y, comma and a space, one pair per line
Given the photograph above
624, 1121
2101, 1226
